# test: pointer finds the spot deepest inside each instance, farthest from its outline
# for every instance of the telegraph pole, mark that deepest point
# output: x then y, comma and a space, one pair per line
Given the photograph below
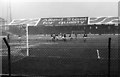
10, 12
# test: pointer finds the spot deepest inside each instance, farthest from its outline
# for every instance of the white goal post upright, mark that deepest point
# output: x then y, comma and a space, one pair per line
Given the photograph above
27, 40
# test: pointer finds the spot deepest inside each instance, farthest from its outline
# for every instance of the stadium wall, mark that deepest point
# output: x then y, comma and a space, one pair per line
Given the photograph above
55, 29
93, 29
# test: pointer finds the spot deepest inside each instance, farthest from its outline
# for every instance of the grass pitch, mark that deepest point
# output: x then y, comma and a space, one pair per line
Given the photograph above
74, 57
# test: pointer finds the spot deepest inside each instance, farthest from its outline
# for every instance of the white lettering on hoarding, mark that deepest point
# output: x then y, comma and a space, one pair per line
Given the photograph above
45, 23
63, 21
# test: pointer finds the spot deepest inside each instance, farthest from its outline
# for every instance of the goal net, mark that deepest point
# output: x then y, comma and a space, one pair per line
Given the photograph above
17, 37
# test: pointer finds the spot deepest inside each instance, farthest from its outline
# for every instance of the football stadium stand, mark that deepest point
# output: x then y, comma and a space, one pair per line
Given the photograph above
103, 20
93, 25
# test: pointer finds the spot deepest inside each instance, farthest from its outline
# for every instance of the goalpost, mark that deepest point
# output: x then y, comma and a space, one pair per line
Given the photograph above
19, 40
27, 40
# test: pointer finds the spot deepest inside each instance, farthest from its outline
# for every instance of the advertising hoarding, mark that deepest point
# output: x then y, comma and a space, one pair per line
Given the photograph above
64, 21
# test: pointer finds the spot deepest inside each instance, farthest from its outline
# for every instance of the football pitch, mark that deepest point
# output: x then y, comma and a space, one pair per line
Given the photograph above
83, 57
